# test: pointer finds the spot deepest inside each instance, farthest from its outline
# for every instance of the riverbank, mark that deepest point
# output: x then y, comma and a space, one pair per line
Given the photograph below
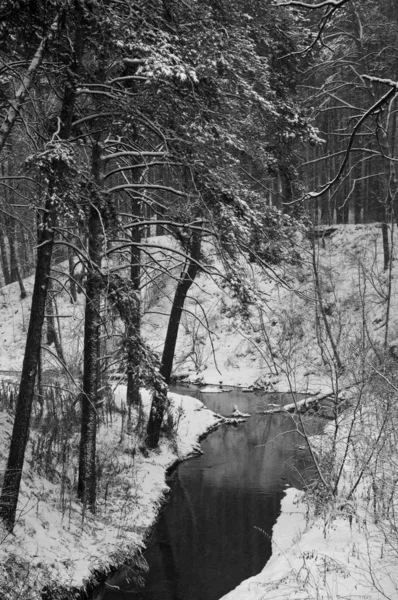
57, 546
339, 543
346, 555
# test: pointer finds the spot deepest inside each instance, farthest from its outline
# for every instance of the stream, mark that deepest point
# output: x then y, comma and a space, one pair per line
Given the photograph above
216, 528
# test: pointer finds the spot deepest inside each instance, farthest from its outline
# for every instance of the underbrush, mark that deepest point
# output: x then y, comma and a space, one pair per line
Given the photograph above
48, 496
55, 428
58, 548
357, 461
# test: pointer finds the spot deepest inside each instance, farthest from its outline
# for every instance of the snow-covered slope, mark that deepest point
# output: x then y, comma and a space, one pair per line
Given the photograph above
277, 344
282, 343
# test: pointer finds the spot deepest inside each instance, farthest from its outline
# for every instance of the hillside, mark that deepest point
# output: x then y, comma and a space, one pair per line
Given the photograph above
282, 343
278, 341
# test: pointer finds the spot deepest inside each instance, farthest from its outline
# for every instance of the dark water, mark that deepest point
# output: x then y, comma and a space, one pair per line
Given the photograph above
215, 531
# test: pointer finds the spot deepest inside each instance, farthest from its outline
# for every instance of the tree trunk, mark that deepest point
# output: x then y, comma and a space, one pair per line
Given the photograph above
52, 335
72, 281
4, 256
20, 433
318, 290
10, 227
133, 375
159, 400
87, 468
27, 253
185, 282
386, 246
158, 407
14, 269
15, 266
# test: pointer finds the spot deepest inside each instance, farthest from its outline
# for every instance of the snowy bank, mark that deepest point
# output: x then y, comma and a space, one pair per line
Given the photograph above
313, 557
55, 543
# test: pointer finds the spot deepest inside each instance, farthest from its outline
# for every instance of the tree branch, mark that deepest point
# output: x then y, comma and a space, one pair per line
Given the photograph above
20, 96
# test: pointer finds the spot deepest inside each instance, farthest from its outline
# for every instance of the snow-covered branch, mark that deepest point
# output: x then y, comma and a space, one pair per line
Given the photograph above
20, 96
390, 82
106, 157
325, 4
145, 186
371, 111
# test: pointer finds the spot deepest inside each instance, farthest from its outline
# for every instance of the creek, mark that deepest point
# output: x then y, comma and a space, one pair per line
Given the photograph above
216, 528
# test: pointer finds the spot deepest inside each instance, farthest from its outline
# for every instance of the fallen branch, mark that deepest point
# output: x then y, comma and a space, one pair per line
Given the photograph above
309, 402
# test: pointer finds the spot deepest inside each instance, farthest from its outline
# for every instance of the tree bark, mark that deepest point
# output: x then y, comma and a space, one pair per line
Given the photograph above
14, 258
158, 407
52, 335
133, 376
72, 281
185, 282
20, 433
13, 265
386, 246
159, 400
4, 256
87, 482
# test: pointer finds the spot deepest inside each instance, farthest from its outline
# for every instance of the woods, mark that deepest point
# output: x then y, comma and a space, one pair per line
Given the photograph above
352, 87
139, 135
145, 146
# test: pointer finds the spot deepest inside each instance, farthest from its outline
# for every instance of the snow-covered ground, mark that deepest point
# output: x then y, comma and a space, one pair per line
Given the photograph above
332, 548
339, 551
278, 346
345, 556
55, 544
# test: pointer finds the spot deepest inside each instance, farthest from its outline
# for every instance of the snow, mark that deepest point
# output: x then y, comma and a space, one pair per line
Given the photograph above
344, 557
237, 413
337, 551
343, 549
64, 546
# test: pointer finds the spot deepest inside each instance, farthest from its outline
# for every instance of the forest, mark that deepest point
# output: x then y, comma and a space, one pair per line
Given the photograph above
194, 191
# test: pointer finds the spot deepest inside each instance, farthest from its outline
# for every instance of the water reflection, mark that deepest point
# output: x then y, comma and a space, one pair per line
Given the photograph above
216, 529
